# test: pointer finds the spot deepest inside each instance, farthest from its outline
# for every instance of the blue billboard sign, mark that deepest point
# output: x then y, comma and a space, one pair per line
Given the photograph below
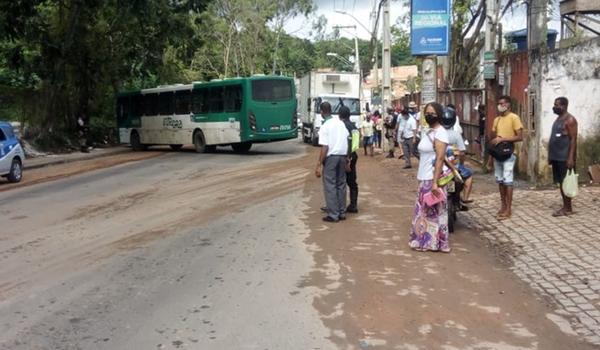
430, 27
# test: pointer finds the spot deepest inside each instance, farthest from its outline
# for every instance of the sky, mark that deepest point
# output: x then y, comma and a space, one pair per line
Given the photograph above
361, 9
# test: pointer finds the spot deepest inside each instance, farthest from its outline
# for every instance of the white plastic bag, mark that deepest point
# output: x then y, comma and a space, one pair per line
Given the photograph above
569, 185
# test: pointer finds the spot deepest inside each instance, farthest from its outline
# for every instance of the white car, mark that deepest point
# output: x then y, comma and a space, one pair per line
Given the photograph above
11, 154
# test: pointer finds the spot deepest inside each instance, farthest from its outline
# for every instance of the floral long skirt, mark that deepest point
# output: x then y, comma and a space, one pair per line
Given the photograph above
430, 224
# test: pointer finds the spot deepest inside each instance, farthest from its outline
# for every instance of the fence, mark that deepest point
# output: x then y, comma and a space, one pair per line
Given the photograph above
466, 102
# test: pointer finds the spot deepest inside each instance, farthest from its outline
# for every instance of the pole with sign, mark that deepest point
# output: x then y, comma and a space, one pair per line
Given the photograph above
430, 36
430, 27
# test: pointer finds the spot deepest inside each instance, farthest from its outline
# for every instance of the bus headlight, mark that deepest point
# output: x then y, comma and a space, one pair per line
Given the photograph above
294, 120
252, 120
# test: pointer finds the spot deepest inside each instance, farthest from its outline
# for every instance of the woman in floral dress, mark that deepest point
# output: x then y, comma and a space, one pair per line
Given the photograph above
429, 230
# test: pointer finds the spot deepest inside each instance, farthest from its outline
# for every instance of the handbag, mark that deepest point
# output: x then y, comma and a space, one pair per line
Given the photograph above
432, 200
449, 172
570, 184
501, 151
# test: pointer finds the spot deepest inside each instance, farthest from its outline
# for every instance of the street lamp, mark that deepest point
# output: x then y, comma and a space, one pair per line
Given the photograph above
333, 54
356, 57
357, 21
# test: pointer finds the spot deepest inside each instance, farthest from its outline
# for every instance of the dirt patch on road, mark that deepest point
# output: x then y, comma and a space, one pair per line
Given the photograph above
375, 292
55, 172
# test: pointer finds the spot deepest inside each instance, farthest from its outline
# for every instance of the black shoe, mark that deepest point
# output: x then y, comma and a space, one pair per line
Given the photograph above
342, 217
351, 210
390, 156
400, 157
463, 208
329, 219
324, 209
407, 167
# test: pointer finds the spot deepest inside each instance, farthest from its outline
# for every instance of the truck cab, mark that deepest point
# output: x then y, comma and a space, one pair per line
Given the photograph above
337, 88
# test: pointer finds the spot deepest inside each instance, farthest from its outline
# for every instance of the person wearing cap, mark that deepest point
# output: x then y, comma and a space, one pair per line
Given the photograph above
353, 145
390, 130
407, 136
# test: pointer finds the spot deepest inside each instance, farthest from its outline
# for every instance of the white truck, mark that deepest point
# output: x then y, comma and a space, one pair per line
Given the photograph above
337, 88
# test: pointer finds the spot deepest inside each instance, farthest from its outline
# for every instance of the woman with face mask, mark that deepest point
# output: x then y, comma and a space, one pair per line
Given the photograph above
430, 222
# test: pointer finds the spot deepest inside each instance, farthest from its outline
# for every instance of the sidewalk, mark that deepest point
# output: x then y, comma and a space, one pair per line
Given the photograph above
40, 162
558, 257
375, 292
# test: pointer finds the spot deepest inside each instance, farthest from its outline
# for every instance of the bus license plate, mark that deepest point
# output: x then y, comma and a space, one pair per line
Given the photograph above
275, 127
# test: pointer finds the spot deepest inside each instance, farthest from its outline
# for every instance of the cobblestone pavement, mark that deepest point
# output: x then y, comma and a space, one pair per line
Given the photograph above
558, 257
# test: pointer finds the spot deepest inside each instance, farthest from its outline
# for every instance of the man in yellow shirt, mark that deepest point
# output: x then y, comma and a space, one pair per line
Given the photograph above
507, 128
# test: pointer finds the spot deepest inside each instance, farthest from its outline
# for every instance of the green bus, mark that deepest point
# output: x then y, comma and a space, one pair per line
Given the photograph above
234, 112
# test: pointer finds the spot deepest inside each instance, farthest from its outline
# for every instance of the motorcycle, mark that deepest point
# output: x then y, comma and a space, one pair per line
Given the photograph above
455, 204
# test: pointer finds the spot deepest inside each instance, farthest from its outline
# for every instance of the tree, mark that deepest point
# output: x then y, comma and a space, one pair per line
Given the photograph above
66, 58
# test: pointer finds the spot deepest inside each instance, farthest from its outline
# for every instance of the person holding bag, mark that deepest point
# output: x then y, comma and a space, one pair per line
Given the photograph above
429, 231
562, 152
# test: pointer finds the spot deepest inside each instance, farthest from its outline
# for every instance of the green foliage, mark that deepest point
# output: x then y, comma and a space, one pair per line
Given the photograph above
61, 59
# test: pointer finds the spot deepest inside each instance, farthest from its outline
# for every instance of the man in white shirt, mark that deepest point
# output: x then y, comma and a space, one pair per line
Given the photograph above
332, 164
409, 137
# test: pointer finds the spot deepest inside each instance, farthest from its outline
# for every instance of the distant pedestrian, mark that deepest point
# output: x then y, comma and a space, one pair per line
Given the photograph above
353, 144
562, 149
413, 110
378, 121
390, 130
408, 137
430, 223
333, 138
507, 130
82, 133
367, 131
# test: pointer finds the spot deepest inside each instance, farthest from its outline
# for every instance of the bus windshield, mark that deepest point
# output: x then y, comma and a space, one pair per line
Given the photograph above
271, 90
337, 102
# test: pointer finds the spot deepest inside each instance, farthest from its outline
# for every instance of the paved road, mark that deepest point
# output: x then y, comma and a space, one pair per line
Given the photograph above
179, 251
222, 251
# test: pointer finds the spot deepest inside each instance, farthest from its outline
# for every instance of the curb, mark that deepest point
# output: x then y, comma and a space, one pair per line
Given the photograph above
59, 160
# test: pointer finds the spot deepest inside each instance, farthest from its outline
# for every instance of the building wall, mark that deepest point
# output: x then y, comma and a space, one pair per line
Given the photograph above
572, 72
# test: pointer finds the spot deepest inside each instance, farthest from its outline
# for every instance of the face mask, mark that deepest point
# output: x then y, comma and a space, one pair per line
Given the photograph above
431, 119
502, 108
557, 110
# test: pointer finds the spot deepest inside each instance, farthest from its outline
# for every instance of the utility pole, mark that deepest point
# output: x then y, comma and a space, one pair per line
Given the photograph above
374, 35
490, 62
386, 63
536, 42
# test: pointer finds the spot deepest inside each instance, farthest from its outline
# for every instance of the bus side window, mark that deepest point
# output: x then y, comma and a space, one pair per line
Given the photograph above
166, 106
151, 104
200, 101
122, 108
233, 98
137, 106
182, 102
215, 99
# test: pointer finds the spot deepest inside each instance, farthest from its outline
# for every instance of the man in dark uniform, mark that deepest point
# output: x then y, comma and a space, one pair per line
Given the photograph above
353, 144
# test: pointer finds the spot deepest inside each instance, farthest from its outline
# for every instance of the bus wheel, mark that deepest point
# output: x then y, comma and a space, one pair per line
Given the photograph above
241, 147
176, 147
200, 143
15, 171
136, 144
